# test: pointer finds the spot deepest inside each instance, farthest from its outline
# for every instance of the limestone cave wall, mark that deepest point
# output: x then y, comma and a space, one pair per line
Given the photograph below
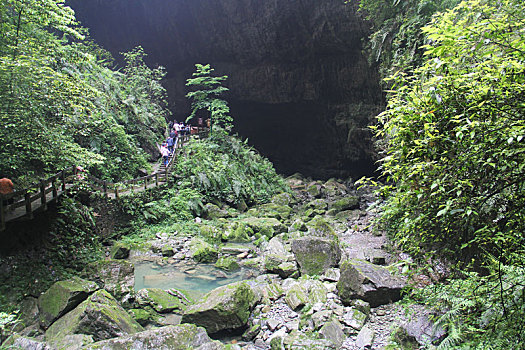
301, 89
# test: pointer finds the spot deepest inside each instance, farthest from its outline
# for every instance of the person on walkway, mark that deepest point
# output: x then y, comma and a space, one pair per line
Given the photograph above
6, 187
170, 143
165, 153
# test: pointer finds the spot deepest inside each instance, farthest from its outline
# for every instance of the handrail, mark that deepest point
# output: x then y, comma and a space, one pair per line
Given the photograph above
62, 181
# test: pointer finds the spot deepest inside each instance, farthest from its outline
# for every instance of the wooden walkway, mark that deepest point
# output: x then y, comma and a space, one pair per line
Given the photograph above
21, 205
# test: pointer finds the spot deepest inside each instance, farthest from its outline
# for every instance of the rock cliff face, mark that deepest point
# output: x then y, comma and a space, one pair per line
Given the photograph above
300, 88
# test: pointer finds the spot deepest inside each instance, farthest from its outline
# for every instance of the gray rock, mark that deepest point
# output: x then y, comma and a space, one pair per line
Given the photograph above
372, 283
224, 308
273, 324
331, 275
304, 342
355, 319
314, 189
180, 337
315, 255
236, 249
422, 331
100, 316
365, 338
320, 317
163, 301
276, 247
115, 276
296, 296
333, 331
62, 297
19, 342
298, 225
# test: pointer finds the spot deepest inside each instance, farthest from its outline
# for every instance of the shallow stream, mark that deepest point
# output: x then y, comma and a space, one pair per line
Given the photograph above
200, 278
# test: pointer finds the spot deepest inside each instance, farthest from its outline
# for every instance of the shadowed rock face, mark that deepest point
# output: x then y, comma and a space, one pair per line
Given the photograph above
300, 88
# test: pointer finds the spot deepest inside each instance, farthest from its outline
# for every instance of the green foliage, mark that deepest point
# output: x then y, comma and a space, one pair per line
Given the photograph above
453, 135
7, 322
60, 105
453, 151
226, 169
207, 96
73, 240
479, 312
397, 37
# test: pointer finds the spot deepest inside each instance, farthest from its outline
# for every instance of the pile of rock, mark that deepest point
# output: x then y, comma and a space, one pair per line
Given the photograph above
323, 284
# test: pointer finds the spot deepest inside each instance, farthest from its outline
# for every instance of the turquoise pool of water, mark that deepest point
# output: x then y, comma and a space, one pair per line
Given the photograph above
200, 278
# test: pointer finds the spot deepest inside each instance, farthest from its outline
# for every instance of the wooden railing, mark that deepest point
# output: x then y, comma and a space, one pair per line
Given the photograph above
23, 203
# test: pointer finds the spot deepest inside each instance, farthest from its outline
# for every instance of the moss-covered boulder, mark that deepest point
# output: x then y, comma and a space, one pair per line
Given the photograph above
283, 199
144, 316
210, 232
298, 225
115, 276
268, 227
318, 204
315, 255
120, 250
372, 283
238, 232
163, 301
99, 316
227, 263
202, 251
297, 296
224, 308
346, 203
167, 250
314, 189
62, 297
305, 291
348, 215
333, 331
276, 211
214, 212
334, 188
180, 337
319, 227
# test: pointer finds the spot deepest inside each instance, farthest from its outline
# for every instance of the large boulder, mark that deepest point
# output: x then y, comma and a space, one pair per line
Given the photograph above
99, 316
276, 211
163, 301
181, 337
62, 297
224, 308
372, 283
214, 212
268, 227
319, 227
346, 203
283, 199
333, 331
202, 251
237, 232
305, 291
115, 276
315, 255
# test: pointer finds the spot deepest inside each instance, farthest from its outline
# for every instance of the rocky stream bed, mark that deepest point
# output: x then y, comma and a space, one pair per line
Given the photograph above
314, 276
